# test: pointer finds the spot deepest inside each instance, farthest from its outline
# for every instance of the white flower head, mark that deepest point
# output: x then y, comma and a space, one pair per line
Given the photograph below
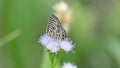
69, 65
55, 45
66, 45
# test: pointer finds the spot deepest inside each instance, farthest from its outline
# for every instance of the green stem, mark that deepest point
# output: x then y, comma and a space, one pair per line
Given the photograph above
59, 57
52, 66
53, 56
52, 59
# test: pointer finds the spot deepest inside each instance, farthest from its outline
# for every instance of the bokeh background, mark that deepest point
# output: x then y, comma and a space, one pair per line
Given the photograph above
95, 29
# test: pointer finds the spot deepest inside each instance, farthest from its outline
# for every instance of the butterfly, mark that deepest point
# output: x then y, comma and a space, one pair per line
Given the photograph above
54, 28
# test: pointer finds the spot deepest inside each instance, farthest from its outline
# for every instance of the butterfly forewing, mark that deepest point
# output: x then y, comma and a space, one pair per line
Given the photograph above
54, 28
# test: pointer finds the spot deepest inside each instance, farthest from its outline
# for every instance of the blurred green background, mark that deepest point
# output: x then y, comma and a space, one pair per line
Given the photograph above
95, 30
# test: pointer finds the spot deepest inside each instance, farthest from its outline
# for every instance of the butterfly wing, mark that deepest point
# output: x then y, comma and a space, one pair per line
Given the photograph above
54, 28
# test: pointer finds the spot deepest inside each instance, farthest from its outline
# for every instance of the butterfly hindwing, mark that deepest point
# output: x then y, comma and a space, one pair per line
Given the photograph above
55, 29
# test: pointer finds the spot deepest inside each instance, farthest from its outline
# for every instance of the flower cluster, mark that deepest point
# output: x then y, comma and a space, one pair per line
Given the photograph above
69, 65
55, 45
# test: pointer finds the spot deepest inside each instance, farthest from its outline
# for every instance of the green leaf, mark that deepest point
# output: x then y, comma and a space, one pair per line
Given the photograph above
9, 37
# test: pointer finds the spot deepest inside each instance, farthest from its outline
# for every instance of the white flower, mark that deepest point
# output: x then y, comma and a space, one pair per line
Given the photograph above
66, 45
55, 45
69, 65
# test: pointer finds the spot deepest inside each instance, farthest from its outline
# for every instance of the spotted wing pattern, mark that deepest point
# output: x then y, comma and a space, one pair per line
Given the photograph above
55, 29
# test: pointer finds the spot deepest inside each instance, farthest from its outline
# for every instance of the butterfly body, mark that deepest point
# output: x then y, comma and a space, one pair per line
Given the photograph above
55, 29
